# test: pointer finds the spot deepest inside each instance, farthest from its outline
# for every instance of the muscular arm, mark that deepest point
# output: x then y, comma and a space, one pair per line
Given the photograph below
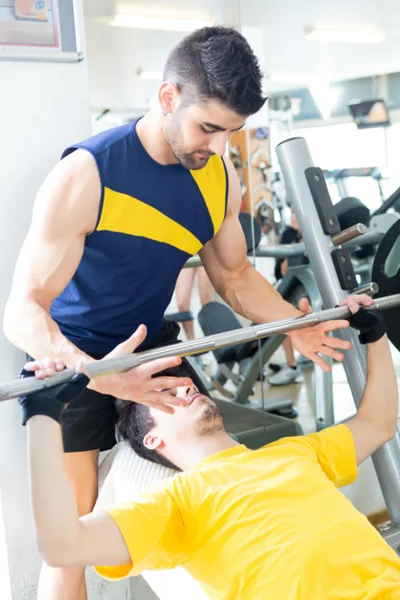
232, 275
65, 211
63, 538
376, 419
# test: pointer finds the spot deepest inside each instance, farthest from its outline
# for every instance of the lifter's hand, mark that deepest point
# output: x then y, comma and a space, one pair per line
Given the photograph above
313, 341
354, 301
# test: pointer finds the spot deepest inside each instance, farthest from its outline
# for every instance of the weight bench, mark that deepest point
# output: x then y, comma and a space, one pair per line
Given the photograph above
179, 317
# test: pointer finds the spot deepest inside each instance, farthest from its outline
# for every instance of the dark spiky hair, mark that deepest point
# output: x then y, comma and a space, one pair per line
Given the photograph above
217, 63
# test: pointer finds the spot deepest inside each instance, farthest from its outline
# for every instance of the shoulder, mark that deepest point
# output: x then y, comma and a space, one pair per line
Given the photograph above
229, 168
71, 193
102, 141
77, 171
234, 188
299, 445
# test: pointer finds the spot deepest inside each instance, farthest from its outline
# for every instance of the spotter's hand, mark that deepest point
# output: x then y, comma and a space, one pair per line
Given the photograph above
313, 341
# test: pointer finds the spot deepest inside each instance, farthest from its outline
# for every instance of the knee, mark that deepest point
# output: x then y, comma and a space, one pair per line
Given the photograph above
206, 298
183, 304
86, 506
85, 499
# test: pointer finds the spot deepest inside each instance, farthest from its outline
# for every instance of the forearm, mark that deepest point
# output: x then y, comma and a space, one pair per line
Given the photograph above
253, 297
30, 327
53, 502
380, 399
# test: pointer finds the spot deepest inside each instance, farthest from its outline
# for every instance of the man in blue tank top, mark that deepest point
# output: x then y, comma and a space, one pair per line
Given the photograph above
113, 225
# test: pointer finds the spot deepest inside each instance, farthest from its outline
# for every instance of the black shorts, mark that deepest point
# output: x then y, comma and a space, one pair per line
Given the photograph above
88, 423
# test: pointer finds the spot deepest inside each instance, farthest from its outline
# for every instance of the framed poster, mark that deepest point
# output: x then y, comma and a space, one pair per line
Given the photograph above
43, 30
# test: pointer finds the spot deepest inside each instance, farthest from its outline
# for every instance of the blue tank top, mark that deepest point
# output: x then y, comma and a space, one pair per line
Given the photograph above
152, 218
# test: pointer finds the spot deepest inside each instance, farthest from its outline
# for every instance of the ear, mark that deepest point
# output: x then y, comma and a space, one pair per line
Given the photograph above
152, 441
168, 96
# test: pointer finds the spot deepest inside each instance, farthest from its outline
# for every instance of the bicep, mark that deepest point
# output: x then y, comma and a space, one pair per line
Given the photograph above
365, 435
148, 533
101, 541
65, 211
335, 452
227, 251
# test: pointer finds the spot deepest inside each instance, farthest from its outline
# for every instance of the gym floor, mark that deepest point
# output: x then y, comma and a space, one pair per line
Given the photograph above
19, 561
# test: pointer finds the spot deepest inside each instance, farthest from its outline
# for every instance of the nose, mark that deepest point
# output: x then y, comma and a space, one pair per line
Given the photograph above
190, 390
218, 143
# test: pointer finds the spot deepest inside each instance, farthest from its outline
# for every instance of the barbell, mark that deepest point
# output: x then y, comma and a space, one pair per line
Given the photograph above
30, 385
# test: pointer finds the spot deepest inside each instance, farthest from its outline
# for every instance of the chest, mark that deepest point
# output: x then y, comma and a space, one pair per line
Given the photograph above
164, 204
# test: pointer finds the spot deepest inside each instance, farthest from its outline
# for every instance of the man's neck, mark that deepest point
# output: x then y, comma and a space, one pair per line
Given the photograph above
202, 447
150, 130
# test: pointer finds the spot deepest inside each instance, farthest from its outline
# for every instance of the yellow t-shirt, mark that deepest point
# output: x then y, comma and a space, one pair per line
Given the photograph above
271, 523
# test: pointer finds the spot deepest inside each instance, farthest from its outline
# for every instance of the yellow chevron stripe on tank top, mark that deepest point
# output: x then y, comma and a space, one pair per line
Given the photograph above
213, 187
122, 213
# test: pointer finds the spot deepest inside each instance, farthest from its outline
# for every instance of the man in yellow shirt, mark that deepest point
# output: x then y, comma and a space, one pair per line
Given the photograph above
246, 524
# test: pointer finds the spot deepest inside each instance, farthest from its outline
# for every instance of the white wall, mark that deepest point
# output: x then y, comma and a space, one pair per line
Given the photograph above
256, 39
43, 108
114, 56
116, 53
342, 146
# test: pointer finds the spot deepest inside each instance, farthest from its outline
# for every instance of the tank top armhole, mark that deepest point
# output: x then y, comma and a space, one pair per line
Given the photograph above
227, 187
95, 156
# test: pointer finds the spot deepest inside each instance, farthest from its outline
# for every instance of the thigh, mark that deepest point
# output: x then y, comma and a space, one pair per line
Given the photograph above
183, 288
88, 423
82, 468
205, 286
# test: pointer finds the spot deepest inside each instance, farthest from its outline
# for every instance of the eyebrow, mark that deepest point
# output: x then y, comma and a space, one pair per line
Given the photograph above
218, 128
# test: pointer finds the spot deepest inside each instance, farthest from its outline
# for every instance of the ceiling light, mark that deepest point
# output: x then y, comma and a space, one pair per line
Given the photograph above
158, 23
287, 78
345, 36
324, 97
156, 75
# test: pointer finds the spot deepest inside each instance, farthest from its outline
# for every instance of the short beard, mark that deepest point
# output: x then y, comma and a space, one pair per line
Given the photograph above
210, 421
172, 131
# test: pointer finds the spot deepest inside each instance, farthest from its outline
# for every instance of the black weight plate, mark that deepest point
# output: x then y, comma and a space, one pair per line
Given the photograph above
246, 222
389, 283
351, 211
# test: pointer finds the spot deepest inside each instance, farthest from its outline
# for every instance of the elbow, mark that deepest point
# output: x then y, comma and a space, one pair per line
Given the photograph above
387, 433
391, 428
58, 553
14, 324
391, 432
235, 278
52, 557
56, 558
52, 560
9, 323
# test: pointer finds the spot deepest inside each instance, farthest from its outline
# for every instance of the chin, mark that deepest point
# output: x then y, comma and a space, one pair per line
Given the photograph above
193, 163
210, 420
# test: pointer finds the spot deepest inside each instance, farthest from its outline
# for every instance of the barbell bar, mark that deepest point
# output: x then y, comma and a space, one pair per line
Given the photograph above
30, 385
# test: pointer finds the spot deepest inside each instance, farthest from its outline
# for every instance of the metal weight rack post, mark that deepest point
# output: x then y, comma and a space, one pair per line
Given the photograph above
334, 273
